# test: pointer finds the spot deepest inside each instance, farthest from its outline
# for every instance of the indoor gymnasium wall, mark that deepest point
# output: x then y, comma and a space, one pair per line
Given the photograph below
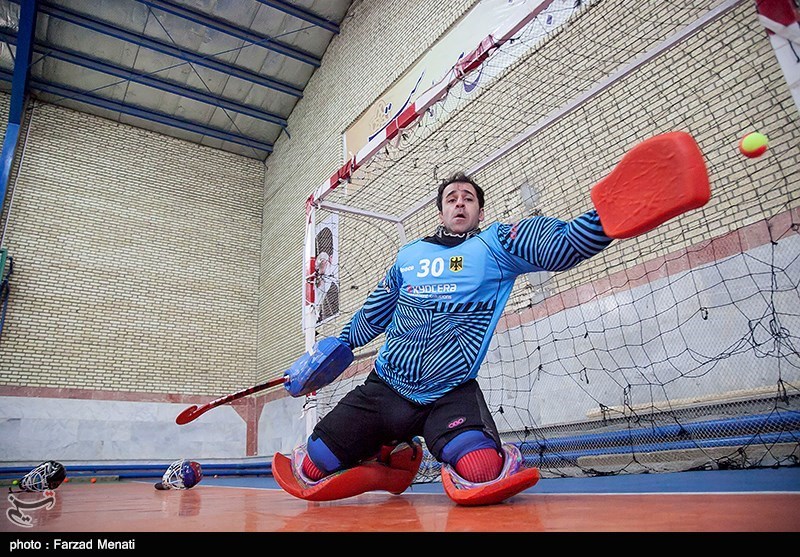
607, 127
134, 282
147, 268
378, 42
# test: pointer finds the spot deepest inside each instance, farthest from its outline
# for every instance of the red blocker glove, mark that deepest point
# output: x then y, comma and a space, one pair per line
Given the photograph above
660, 178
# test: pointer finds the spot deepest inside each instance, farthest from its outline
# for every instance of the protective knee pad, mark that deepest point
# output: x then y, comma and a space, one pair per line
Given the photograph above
322, 457
513, 478
394, 473
463, 443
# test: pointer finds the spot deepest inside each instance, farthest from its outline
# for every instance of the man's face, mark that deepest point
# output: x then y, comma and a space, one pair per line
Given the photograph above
460, 211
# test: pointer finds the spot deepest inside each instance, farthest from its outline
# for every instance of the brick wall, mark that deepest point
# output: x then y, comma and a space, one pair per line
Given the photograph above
144, 263
379, 40
715, 85
135, 260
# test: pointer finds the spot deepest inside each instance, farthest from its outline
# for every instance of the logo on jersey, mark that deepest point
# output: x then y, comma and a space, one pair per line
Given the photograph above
456, 263
431, 290
457, 422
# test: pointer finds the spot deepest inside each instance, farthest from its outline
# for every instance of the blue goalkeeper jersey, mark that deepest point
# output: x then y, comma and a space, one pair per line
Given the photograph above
439, 305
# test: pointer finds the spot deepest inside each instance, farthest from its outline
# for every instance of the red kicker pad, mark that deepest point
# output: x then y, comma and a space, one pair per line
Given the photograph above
490, 493
658, 179
369, 476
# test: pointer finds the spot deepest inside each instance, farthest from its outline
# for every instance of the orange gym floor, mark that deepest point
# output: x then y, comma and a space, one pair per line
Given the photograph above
758, 500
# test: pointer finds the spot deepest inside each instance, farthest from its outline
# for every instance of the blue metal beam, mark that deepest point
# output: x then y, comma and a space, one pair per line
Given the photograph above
302, 13
67, 55
151, 115
19, 90
228, 29
105, 28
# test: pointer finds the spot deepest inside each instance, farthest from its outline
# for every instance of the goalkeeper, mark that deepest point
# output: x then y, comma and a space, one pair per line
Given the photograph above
438, 306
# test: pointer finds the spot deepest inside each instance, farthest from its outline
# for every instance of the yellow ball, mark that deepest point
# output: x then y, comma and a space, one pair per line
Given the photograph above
753, 145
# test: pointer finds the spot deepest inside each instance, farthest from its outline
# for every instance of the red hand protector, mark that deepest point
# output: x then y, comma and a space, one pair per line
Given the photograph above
655, 181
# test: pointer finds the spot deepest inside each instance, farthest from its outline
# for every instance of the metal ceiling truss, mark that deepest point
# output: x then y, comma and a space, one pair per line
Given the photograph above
21, 81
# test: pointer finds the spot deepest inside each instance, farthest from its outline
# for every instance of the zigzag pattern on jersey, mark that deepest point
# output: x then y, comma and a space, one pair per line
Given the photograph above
554, 245
459, 339
409, 336
376, 313
435, 345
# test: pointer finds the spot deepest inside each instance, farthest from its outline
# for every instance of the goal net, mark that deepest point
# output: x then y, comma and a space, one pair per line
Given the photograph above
674, 350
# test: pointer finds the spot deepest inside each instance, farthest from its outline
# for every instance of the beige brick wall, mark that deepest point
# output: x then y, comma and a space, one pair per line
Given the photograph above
378, 41
135, 260
715, 85
146, 263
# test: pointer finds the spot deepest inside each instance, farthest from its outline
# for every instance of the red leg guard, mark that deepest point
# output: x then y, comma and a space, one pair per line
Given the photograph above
395, 476
513, 479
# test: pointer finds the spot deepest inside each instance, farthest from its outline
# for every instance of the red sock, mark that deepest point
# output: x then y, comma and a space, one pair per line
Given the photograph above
480, 466
311, 471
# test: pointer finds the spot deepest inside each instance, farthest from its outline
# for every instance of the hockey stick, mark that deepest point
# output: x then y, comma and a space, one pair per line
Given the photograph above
194, 411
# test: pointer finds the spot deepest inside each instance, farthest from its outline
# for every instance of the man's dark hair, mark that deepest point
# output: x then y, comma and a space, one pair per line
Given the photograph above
458, 177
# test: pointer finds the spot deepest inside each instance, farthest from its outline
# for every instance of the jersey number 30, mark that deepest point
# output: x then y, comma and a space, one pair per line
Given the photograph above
435, 268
